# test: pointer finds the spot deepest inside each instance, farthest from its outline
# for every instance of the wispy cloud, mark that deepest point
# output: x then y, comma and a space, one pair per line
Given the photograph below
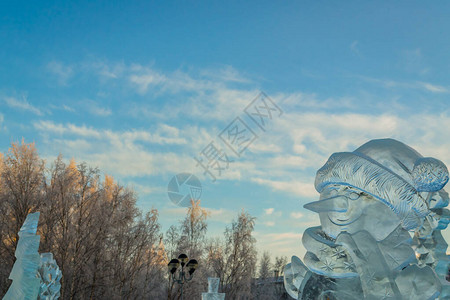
146, 79
120, 152
283, 236
296, 215
2, 118
96, 109
415, 85
164, 134
286, 243
22, 104
304, 140
83, 131
62, 72
299, 100
433, 87
105, 70
62, 107
207, 93
413, 61
301, 140
354, 47
269, 211
146, 189
225, 74
295, 187
222, 215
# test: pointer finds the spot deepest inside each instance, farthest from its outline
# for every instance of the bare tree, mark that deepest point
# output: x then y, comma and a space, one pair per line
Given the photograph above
104, 245
21, 184
189, 238
234, 258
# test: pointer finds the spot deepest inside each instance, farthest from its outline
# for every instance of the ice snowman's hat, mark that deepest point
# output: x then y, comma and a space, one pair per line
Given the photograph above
390, 171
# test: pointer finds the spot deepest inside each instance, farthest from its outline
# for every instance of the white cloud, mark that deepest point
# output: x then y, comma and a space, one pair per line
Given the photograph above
221, 215
285, 243
269, 211
434, 88
174, 213
215, 104
71, 129
295, 187
49, 126
145, 78
100, 111
22, 105
412, 85
118, 152
149, 78
300, 140
107, 71
62, 107
94, 109
299, 100
63, 72
226, 73
163, 134
259, 146
142, 189
282, 236
209, 95
354, 48
296, 215
308, 139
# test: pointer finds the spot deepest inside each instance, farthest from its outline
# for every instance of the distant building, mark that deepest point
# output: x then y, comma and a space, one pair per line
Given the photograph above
271, 287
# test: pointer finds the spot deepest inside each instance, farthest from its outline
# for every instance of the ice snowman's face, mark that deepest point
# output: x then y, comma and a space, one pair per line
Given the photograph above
344, 208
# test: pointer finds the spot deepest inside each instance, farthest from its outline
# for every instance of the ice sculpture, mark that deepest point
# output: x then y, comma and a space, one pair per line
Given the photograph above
34, 276
381, 209
213, 290
50, 276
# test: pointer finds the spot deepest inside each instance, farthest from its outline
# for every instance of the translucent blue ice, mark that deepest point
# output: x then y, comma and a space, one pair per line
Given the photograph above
213, 290
381, 209
33, 276
25, 283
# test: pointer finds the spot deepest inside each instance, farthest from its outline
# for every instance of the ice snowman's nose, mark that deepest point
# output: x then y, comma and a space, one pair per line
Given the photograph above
335, 204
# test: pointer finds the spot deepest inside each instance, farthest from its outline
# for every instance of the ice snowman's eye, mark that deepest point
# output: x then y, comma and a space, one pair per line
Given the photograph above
353, 195
333, 192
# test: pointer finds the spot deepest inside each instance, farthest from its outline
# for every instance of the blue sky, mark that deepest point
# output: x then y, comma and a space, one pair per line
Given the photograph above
138, 89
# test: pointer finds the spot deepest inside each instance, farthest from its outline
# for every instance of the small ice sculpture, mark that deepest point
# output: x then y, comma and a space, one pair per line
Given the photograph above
34, 276
50, 275
213, 290
372, 201
25, 283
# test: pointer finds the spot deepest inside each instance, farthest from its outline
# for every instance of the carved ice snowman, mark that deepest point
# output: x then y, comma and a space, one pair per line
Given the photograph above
370, 201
